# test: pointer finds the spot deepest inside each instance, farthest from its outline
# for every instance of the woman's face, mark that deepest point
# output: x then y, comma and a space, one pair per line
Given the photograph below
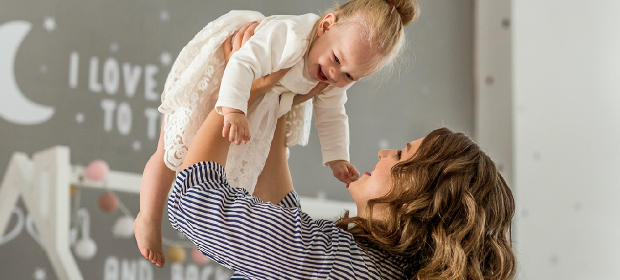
378, 183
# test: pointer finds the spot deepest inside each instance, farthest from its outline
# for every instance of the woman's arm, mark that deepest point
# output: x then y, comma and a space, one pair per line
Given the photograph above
209, 144
257, 239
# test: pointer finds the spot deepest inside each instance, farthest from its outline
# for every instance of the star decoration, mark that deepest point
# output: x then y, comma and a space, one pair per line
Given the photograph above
425, 90
49, 23
136, 145
384, 144
39, 274
114, 47
164, 15
79, 118
165, 58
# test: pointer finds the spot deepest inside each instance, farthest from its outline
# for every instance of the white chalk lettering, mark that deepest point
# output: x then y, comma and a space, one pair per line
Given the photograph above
128, 271
146, 269
153, 119
111, 76
93, 73
150, 83
137, 269
74, 66
123, 118
108, 106
118, 115
131, 76
110, 268
191, 272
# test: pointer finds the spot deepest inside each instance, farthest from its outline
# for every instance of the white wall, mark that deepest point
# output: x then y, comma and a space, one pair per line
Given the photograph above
493, 80
566, 98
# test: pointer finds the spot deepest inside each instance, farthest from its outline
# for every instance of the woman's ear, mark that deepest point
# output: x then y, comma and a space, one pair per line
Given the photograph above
326, 23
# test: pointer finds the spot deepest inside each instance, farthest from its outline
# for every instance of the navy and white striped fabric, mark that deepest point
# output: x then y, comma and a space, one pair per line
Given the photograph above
264, 241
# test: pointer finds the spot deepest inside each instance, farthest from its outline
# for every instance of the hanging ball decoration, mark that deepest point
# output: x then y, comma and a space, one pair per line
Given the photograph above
85, 248
199, 258
97, 170
108, 202
123, 227
175, 254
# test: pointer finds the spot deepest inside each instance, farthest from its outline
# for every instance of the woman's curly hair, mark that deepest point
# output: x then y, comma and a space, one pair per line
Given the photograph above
450, 213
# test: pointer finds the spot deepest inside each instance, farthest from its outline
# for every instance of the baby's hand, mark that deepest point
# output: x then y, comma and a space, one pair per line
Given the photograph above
344, 171
236, 124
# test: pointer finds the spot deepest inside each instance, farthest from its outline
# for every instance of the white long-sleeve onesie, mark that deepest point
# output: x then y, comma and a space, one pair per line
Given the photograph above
281, 42
200, 77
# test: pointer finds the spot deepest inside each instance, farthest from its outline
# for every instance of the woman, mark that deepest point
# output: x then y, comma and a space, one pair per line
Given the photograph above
437, 209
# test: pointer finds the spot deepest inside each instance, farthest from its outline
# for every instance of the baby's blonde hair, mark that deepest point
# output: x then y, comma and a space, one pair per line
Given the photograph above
381, 21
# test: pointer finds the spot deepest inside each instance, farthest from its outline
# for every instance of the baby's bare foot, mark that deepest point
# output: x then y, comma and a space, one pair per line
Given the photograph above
148, 237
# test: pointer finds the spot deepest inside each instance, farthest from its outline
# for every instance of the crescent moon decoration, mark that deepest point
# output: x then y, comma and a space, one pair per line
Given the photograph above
15, 107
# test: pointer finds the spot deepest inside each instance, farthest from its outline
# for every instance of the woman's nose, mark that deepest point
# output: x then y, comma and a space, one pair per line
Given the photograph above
387, 153
383, 153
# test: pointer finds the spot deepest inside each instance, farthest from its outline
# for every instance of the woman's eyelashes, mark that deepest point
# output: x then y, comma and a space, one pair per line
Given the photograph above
398, 154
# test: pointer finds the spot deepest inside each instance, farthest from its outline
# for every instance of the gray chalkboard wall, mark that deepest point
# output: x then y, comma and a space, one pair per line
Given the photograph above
63, 71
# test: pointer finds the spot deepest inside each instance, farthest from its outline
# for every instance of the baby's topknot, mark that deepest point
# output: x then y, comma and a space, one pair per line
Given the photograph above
408, 10
382, 22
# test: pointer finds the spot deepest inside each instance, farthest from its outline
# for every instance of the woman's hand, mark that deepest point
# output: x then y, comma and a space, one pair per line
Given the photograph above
301, 98
234, 42
263, 84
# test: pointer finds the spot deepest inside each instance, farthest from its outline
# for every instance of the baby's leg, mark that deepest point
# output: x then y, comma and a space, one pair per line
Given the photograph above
275, 182
156, 182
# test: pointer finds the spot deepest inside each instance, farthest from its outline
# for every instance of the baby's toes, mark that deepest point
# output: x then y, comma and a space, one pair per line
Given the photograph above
160, 260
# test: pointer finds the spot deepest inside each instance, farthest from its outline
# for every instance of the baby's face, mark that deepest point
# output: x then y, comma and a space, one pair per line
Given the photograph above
340, 55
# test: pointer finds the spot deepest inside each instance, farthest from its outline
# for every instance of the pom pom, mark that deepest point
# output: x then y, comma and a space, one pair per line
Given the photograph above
108, 202
85, 249
97, 170
123, 227
175, 254
199, 258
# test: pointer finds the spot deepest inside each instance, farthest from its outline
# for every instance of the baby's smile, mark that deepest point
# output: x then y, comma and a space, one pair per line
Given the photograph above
320, 74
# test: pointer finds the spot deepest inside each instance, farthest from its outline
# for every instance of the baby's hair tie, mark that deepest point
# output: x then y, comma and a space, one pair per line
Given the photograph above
391, 5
